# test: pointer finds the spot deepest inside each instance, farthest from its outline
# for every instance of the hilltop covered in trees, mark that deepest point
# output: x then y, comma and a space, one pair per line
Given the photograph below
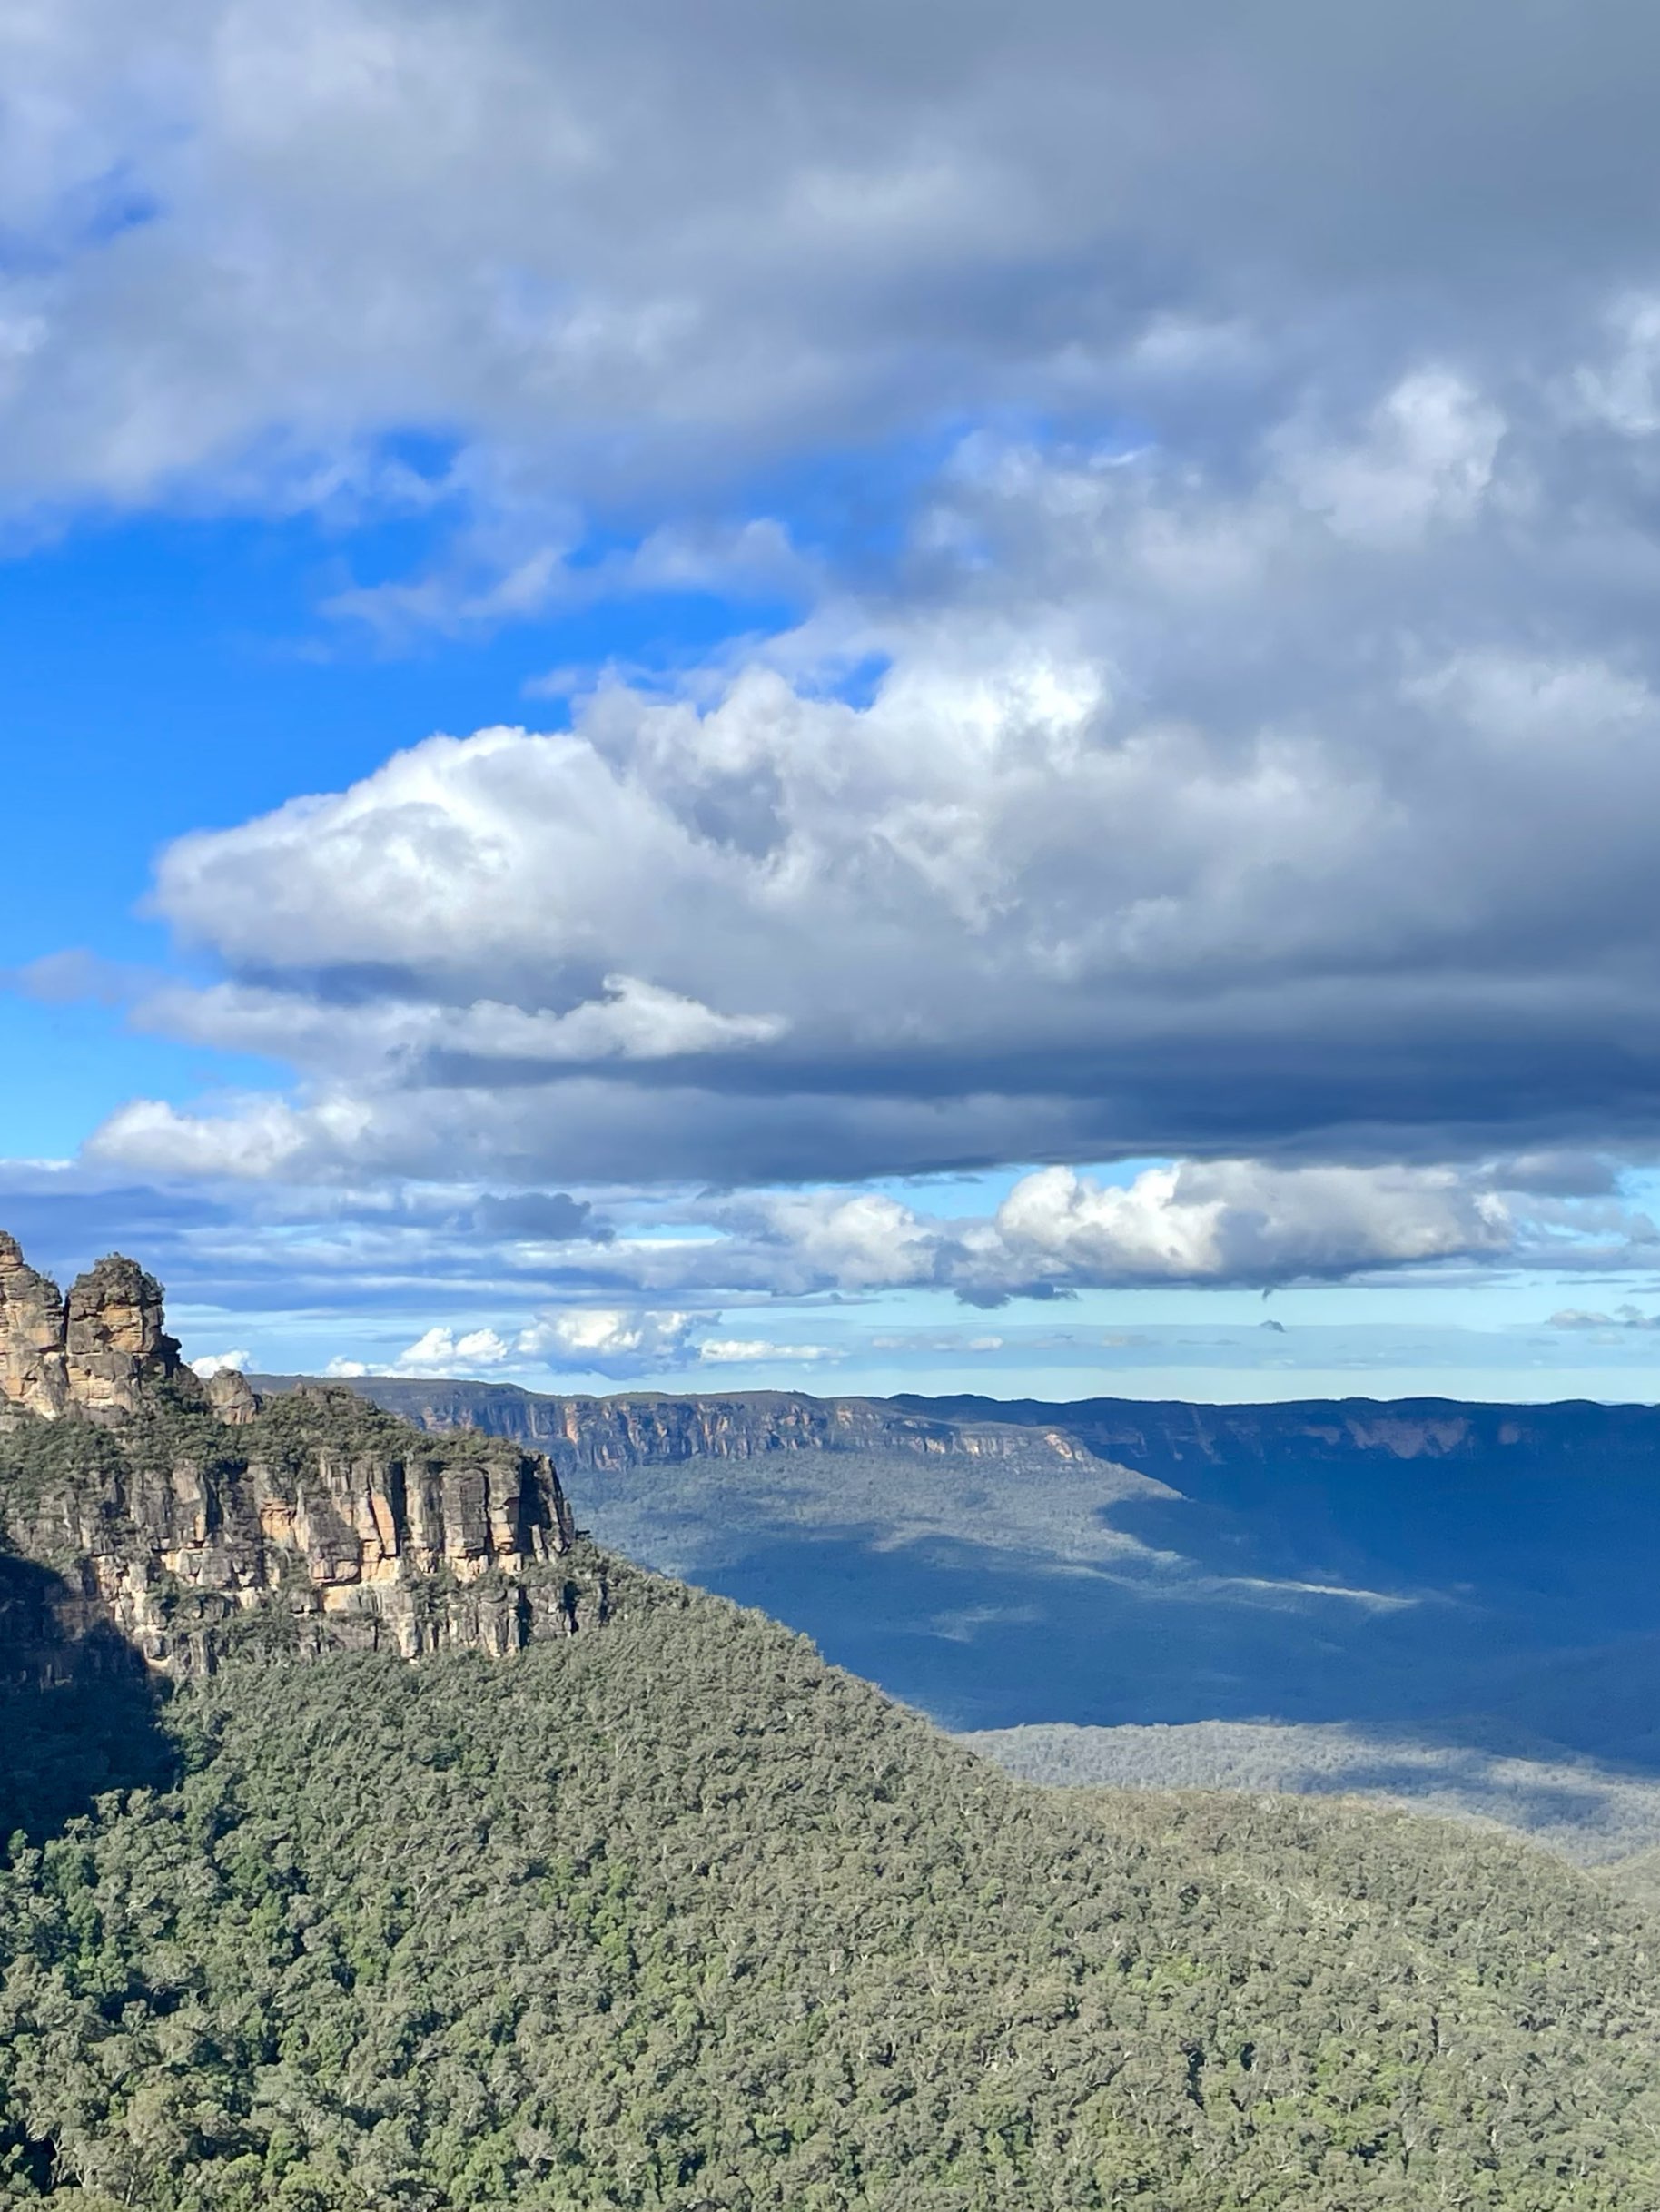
676, 1915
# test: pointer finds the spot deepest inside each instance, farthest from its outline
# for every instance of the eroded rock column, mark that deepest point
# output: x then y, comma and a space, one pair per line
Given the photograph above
114, 1340
33, 1370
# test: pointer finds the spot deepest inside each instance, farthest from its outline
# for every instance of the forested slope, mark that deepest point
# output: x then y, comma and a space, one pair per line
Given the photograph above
675, 1915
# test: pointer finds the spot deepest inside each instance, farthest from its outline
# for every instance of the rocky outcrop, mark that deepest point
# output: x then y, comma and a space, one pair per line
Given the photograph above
316, 1526
191, 1521
116, 1347
31, 1330
96, 1354
231, 1396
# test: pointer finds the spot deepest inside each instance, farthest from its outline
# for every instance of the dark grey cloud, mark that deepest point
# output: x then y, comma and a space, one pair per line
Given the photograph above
550, 1217
64, 1227
637, 247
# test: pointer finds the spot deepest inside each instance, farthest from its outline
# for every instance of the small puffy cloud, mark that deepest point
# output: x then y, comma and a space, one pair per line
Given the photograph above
867, 1241
441, 1352
210, 1364
438, 1353
610, 1340
256, 1138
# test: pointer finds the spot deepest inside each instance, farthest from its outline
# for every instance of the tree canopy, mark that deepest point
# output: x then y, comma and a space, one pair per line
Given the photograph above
675, 1915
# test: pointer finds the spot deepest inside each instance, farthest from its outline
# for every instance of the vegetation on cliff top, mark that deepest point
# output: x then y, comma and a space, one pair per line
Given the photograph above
676, 1915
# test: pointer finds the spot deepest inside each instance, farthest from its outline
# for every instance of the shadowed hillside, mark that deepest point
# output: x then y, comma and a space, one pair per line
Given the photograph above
80, 1712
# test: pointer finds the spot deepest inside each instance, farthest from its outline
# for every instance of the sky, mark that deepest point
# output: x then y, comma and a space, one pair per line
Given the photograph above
946, 700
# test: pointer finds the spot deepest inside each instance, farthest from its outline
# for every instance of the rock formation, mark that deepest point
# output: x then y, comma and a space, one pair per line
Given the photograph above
32, 1328
192, 1520
115, 1345
232, 1397
96, 1354
313, 1528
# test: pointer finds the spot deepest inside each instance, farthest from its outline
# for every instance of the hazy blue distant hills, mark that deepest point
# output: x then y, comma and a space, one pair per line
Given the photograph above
1478, 1580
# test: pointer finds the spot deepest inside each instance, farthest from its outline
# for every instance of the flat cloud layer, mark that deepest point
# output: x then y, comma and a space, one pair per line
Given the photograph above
1249, 749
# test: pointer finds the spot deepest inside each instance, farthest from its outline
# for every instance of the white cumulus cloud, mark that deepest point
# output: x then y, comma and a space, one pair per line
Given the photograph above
209, 1364
1187, 817
438, 1352
610, 1340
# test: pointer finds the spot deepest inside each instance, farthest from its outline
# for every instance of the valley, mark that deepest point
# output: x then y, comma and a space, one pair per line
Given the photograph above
1459, 1596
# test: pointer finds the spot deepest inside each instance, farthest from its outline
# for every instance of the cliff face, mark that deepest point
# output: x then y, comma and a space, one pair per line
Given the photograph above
192, 1520
32, 1367
1172, 1441
608, 1436
310, 1528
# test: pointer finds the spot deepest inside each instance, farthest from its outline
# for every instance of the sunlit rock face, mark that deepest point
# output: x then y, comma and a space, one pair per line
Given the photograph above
114, 1344
193, 1521
31, 1330
315, 1531
95, 1353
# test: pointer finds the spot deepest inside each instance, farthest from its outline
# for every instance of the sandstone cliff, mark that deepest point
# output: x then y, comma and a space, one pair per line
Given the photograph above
96, 1353
605, 1436
190, 1519
32, 1331
1172, 1441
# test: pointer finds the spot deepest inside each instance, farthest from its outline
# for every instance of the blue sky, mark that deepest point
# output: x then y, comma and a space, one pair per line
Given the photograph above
765, 710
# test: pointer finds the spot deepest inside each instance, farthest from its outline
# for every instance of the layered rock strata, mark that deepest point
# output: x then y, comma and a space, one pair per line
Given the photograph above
114, 1344
193, 1521
314, 1532
605, 1436
33, 1367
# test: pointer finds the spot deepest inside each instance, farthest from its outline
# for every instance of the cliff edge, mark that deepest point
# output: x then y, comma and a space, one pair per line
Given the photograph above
193, 1518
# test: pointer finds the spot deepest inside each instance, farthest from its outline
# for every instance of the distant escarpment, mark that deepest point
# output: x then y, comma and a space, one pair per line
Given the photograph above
605, 1436
1169, 1441
191, 1518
